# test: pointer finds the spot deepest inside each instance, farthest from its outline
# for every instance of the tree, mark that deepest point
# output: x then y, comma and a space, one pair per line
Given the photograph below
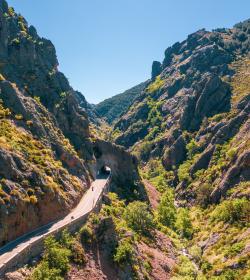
138, 217
183, 223
124, 252
43, 271
166, 209
56, 256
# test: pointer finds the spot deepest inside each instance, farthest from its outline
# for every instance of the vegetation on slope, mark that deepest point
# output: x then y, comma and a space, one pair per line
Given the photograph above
190, 129
125, 235
112, 108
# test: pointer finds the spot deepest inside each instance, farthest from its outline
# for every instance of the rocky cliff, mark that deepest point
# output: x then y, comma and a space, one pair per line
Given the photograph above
190, 130
44, 132
198, 99
188, 126
46, 150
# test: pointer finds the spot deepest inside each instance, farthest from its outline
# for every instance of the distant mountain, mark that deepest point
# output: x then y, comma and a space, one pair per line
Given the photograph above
112, 108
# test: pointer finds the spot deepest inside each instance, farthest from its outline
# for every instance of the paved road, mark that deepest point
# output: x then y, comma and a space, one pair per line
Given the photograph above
85, 206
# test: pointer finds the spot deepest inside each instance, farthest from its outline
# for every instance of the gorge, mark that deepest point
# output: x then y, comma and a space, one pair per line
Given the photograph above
178, 147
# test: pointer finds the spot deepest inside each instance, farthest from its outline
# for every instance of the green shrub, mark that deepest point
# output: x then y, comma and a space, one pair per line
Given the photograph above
232, 211
234, 249
44, 272
203, 194
66, 239
138, 217
55, 262
228, 274
11, 11
86, 234
167, 210
192, 148
184, 171
56, 256
196, 253
206, 266
184, 270
156, 85
124, 252
78, 253
16, 41
183, 223
148, 266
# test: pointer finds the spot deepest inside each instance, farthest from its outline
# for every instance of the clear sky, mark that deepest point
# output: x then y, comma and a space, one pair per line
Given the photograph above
107, 46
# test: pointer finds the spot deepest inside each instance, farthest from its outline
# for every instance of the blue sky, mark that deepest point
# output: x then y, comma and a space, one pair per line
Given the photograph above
107, 46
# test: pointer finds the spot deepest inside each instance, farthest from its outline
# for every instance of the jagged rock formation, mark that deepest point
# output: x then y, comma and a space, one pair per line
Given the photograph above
156, 69
42, 177
195, 85
188, 125
190, 131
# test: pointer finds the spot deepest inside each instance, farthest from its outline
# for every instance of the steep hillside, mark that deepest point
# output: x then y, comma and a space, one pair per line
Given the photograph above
112, 108
201, 97
190, 129
109, 246
41, 175
47, 158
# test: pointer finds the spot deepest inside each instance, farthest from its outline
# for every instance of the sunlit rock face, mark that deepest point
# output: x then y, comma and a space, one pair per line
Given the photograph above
196, 103
43, 124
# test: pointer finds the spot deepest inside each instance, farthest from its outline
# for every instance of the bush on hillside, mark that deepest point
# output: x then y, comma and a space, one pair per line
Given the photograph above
43, 271
183, 223
56, 256
138, 217
233, 211
55, 262
166, 209
124, 252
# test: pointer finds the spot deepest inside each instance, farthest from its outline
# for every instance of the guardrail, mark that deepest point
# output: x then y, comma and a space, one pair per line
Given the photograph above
35, 248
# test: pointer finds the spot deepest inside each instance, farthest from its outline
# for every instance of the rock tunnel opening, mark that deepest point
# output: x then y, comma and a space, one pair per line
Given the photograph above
125, 176
104, 171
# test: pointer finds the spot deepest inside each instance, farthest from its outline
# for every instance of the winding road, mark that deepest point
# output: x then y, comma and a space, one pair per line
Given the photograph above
85, 206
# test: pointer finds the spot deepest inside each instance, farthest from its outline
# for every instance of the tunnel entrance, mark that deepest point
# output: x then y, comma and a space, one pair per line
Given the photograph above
104, 170
126, 181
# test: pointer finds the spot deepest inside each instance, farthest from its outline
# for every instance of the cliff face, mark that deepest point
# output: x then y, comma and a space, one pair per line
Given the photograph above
30, 62
188, 126
190, 130
199, 95
41, 175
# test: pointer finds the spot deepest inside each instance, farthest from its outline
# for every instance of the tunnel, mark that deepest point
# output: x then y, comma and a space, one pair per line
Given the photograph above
123, 167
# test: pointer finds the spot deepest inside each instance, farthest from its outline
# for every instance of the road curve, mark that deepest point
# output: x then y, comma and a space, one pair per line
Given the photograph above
85, 206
